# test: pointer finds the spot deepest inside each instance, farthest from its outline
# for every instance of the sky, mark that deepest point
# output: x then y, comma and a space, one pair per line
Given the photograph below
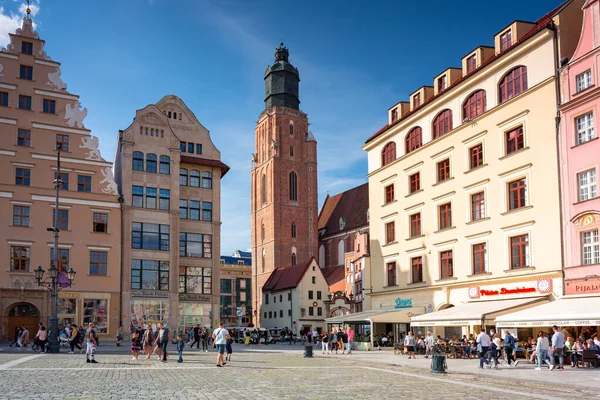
356, 59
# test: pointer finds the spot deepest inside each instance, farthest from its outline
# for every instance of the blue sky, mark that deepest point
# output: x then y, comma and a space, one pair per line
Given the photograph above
356, 59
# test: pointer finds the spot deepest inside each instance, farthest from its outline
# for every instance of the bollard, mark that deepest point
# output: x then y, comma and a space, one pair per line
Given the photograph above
308, 351
438, 364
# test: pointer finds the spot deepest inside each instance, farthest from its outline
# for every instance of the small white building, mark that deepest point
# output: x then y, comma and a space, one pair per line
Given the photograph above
294, 297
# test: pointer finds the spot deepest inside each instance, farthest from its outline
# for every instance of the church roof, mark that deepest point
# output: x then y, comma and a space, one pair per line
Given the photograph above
335, 275
350, 206
287, 277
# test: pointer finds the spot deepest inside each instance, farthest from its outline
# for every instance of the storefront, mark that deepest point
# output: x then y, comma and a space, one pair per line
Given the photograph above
148, 307
194, 309
82, 308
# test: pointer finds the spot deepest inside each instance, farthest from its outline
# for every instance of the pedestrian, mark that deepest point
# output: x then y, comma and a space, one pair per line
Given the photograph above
429, 341
163, 337
148, 340
558, 344
483, 343
180, 346
247, 339
75, 339
220, 336
409, 344
196, 337
41, 338
325, 342
18, 332
91, 343
135, 345
541, 349
350, 334
120, 335
24, 339
228, 349
340, 343
495, 349
204, 339
509, 345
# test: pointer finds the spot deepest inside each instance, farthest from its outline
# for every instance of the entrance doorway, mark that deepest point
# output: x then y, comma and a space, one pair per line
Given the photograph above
23, 314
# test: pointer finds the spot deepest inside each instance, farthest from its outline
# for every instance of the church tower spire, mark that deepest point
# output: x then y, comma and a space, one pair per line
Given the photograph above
284, 180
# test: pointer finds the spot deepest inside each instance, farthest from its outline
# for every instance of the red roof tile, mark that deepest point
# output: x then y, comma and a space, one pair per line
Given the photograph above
207, 162
287, 277
351, 205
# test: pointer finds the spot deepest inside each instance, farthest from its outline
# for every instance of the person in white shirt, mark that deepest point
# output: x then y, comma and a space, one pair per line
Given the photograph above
483, 343
429, 341
221, 336
541, 349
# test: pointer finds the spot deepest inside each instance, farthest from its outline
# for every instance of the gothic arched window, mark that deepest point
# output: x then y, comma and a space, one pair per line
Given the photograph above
293, 230
291, 151
341, 251
293, 258
293, 186
263, 189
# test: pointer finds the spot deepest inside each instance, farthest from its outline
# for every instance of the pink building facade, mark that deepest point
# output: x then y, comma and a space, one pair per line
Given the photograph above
580, 158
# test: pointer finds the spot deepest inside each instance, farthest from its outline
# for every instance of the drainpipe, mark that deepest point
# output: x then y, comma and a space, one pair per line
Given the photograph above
557, 67
121, 200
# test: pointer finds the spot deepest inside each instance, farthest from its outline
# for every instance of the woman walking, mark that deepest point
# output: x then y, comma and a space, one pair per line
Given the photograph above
135, 345
147, 341
409, 343
325, 342
41, 338
25, 338
509, 345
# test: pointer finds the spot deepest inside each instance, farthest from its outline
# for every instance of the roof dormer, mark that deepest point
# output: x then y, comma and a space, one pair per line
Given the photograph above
420, 96
511, 34
445, 79
397, 111
475, 58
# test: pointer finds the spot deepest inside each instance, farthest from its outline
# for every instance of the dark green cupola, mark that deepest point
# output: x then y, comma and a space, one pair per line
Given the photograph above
281, 81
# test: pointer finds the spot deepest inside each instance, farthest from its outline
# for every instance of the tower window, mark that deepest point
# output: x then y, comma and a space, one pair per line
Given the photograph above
293, 258
291, 151
293, 230
263, 189
293, 186
291, 129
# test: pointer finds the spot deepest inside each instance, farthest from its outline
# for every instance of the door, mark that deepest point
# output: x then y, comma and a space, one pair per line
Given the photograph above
23, 314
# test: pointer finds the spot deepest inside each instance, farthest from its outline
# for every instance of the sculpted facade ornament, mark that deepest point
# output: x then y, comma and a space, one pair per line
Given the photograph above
91, 143
109, 179
55, 81
74, 115
153, 119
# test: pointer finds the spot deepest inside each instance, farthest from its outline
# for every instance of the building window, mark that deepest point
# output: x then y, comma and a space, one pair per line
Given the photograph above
513, 83
388, 154
165, 165
26, 48
194, 178
415, 225
293, 230
416, 100
262, 233
514, 140
183, 209
505, 40
442, 124
585, 128
182, 146
22, 176
590, 247
64, 180
293, 186
49, 106
151, 198
319, 295
415, 182
441, 83
395, 115
477, 206
471, 63
62, 142
479, 258
183, 177
26, 72
446, 265
98, 262
263, 189
84, 183
138, 161
587, 184
310, 294
445, 216
226, 286
63, 259
21, 215
194, 213
443, 170
24, 102
151, 163
294, 258
63, 219
19, 258
195, 245
149, 275
413, 139
198, 148
319, 312
149, 236
584, 80
206, 211
391, 273
291, 151
517, 194
416, 266
519, 252
4, 99
206, 180
311, 311
474, 105
390, 232
165, 200
195, 280
190, 148
389, 194
100, 222
137, 196
24, 138
476, 156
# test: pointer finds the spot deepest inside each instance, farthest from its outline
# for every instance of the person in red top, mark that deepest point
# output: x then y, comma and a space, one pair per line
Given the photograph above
350, 333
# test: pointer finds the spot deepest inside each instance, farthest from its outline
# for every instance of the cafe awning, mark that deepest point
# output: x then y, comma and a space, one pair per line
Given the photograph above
582, 311
381, 315
474, 314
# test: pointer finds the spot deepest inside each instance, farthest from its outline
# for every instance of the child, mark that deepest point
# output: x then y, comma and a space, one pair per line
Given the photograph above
229, 349
180, 346
135, 345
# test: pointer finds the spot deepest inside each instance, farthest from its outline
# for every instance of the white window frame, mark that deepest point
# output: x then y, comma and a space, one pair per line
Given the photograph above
474, 189
438, 266
523, 172
387, 260
417, 253
479, 239
412, 211
584, 126
591, 246
471, 142
413, 169
437, 202
583, 80
508, 125
436, 158
521, 229
588, 189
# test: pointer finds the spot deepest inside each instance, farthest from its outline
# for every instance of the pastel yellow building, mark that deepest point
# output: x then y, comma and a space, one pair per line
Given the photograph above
463, 185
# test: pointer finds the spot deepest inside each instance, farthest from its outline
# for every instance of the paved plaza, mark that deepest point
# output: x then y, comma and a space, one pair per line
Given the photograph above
268, 372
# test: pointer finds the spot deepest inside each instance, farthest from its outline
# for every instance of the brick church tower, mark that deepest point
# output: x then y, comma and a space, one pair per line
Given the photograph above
284, 180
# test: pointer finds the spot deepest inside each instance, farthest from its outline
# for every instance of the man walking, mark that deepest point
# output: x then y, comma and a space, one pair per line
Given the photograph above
220, 336
196, 337
429, 345
90, 343
164, 337
483, 343
558, 347
204, 339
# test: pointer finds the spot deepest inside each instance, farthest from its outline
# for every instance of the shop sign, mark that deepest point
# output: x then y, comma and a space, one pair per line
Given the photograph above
149, 293
68, 295
582, 287
519, 290
403, 303
541, 286
194, 297
567, 322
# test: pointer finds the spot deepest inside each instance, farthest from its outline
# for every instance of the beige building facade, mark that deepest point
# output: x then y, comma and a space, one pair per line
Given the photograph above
463, 182
37, 113
236, 289
169, 173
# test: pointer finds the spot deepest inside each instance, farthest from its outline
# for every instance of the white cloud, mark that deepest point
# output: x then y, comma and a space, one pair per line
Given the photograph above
10, 20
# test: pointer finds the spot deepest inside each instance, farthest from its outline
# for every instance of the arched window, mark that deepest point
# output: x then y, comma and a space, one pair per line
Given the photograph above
206, 180
442, 124
414, 139
291, 129
183, 177
263, 260
293, 230
195, 178
474, 105
513, 83
291, 151
388, 154
151, 163
293, 258
138, 161
293, 186
263, 189
174, 115
165, 165
169, 114
262, 232
341, 251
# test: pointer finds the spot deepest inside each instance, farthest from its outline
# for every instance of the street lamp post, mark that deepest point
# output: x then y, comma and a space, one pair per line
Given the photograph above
52, 281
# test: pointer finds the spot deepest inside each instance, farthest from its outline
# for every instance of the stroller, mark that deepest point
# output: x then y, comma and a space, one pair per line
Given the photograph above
63, 341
